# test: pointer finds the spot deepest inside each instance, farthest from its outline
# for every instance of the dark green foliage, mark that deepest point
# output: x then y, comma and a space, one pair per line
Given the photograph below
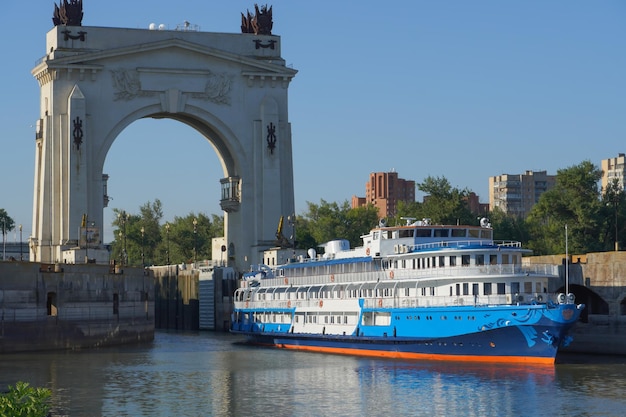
22, 400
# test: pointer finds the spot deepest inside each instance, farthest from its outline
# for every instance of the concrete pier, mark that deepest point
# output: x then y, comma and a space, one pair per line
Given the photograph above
63, 306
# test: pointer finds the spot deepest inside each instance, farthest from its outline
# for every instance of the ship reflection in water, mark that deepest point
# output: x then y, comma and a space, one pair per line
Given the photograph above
208, 374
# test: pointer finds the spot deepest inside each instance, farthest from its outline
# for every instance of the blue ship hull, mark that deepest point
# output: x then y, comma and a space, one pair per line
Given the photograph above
526, 334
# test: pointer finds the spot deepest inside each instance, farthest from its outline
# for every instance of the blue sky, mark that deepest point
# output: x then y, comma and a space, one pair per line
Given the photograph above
461, 89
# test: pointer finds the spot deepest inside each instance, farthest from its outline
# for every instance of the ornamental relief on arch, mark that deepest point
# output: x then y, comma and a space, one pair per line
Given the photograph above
216, 88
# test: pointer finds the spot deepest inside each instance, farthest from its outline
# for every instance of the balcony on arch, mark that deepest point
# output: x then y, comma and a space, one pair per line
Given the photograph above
230, 200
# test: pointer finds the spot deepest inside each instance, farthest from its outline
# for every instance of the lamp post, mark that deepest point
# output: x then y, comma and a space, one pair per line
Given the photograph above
195, 240
123, 218
21, 253
167, 241
143, 233
615, 203
4, 238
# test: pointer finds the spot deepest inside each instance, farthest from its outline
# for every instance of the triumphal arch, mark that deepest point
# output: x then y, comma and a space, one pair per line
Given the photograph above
95, 81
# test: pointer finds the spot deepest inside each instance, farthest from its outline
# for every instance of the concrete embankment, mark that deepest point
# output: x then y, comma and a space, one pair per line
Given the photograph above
61, 306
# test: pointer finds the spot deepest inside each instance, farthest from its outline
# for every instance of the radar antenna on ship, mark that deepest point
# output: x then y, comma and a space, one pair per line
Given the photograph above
409, 220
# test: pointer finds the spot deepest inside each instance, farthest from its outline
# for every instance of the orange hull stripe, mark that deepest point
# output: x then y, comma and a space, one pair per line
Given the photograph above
422, 356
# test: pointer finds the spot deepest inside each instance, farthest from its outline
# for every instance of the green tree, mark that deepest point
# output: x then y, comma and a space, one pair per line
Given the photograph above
443, 204
22, 400
329, 221
508, 227
6, 223
144, 233
614, 213
574, 201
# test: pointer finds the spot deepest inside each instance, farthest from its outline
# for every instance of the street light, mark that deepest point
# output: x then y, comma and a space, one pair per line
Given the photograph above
195, 240
21, 253
143, 232
123, 218
167, 240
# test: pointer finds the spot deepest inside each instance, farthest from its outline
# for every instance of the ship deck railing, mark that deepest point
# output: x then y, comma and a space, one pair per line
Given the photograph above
457, 273
463, 244
397, 302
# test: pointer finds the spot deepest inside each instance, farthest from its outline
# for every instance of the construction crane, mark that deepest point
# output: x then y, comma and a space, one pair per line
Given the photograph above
281, 240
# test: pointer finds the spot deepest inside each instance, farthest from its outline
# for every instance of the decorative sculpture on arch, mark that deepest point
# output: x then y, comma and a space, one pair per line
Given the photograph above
69, 13
259, 24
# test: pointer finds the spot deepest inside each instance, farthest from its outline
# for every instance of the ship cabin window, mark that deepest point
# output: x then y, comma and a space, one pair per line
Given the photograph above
441, 232
473, 233
423, 232
450, 290
480, 259
424, 291
465, 288
442, 261
433, 261
538, 287
405, 233
458, 289
432, 290
465, 260
501, 288
528, 287
453, 261
385, 234
376, 235
514, 287
505, 259
395, 264
493, 259
404, 263
486, 234
487, 288
475, 289
459, 232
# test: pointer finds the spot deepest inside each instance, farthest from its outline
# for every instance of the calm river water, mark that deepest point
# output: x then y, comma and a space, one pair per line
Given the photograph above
208, 374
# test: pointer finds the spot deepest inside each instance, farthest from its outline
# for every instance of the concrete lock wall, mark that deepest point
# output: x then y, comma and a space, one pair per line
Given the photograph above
58, 306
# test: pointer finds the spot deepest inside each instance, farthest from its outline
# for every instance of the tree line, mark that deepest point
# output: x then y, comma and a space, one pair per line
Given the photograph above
595, 219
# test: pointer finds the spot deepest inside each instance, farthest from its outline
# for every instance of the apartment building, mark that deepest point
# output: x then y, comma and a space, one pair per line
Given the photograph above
516, 194
613, 168
384, 190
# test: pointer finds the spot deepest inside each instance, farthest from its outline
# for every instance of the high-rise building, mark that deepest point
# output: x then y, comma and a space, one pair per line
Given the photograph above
517, 194
613, 168
384, 190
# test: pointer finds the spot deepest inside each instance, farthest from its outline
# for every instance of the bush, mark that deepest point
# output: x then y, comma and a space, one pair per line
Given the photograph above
24, 401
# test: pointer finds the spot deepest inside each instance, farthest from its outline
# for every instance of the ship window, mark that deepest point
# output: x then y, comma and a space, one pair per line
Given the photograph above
414, 262
528, 287
537, 286
442, 261
423, 291
465, 288
406, 233
441, 232
486, 234
474, 289
450, 290
514, 287
432, 290
465, 260
434, 259
453, 261
473, 232
458, 232
493, 259
422, 232
480, 259
501, 288
458, 289
375, 236
505, 258
404, 263
487, 288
